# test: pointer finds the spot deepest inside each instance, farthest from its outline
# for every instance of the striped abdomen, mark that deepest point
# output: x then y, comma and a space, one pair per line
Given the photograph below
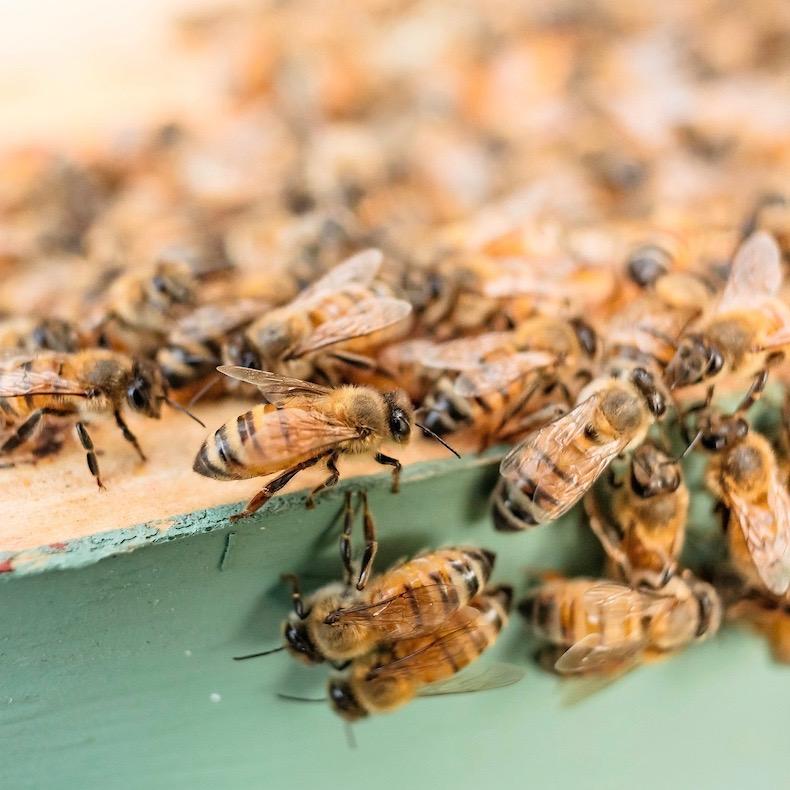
187, 362
563, 613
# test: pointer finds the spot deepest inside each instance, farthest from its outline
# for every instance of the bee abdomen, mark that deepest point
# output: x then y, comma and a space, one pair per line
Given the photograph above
445, 410
513, 512
222, 455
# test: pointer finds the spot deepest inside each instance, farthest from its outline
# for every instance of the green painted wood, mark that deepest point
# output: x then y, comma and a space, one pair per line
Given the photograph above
118, 675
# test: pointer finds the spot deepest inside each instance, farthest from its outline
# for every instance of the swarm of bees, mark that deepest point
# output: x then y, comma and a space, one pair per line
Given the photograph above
590, 277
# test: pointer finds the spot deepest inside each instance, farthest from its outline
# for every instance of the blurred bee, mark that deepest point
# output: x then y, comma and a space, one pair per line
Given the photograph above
77, 386
393, 674
645, 535
745, 476
768, 617
502, 375
26, 335
301, 425
193, 348
771, 214
341, 307
338, 622
748, 326
139, 308
593, 626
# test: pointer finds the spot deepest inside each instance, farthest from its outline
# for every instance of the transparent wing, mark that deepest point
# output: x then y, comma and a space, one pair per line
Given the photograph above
492, 676
590, 654
537, 458
366, 317
465, 353
273, 387
756, 273
215, 320
767, 533
359, 269
18, 382
500, 373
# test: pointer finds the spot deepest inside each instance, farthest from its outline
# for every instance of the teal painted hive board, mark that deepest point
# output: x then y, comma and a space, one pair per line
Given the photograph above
117, 674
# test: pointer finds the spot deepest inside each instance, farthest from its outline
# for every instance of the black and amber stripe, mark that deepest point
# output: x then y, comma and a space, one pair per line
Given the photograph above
228, 452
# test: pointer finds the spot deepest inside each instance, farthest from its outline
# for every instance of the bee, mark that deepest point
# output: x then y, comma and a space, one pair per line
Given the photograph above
77, 386
772, 214
746, 477
502, 374
595, 626
140, 307
303, 424
745, 329
645, 535
27, 335
339, 621
193, 349
341, 307
393, 674
545, 475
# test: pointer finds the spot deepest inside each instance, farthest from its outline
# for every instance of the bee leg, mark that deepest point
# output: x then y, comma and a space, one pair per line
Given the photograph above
755, 391
296, 595
396, 467
345, 538
128, 435
334, 476
23, 432
371, 544
273, 486
87, 443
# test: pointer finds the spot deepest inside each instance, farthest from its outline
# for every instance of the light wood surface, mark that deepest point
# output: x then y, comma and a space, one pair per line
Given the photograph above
57, 500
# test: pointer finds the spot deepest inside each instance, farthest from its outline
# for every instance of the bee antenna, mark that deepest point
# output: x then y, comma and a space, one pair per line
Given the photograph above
210, 384
691, 445
178, 407
258, 655
352, 741
295, 698
429, 432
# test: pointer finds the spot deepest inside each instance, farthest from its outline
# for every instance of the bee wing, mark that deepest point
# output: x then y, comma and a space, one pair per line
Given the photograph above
533, 277
492, 676
590, 654
465, 353
499, 373
18, 382
780, 336
756, 273
532, 459
214, 320
394, 617
273, 387
359, 269
367, 316
767, 533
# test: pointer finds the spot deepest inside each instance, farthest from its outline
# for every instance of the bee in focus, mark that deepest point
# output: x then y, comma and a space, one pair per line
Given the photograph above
395, 673
341, 621
601, 627
645, 534
77, 387
303, 424
139, 307
340, 315
748, 326
193, 349
503, 374
545, 475
745, 476
27, 335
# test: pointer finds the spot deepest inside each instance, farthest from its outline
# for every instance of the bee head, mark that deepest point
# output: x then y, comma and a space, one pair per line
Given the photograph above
146, 389
695, 360
721, 432
298, 641
400, 415
653, 472
586, 335
643, 380
55, 334
343, 700
239, 351
646, 264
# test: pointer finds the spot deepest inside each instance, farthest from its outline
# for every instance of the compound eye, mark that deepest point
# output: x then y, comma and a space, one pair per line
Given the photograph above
137, 397
715, 361
399, 425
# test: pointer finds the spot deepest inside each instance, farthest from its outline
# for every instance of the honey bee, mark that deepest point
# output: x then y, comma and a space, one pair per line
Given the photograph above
545, 475
503, 373
594, 626
393, 674
194, 346
27, 335
303, 424
745, 475
341, 307
140, 307
748, 326
645, 535
77, 386
339, 622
